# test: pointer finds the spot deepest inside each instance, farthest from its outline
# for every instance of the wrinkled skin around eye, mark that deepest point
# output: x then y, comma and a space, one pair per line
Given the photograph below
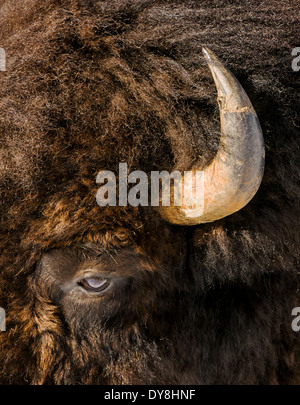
93, 289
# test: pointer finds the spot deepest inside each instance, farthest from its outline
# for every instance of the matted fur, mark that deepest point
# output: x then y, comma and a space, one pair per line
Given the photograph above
90, 84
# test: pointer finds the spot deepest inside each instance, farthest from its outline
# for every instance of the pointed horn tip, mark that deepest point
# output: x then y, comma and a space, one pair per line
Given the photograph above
210, 57
204, 49
208, 53
205, 52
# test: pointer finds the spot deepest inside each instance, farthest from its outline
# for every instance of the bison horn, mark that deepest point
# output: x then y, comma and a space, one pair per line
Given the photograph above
234, 175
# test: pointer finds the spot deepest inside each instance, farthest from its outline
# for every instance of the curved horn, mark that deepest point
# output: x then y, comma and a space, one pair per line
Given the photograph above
234, 176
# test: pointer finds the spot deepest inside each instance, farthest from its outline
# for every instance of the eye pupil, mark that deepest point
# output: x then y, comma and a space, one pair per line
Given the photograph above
94, 284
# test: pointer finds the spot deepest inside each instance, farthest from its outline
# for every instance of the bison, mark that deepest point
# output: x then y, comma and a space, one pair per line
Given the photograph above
142, 294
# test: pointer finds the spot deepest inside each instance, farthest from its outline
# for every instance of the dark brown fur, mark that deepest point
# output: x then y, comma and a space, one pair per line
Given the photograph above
90, 84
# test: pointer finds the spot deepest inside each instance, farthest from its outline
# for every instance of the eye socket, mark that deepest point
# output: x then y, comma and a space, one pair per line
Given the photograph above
94, 284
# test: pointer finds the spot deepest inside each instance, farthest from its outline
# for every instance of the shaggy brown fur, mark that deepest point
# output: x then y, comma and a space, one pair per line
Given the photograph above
90, 84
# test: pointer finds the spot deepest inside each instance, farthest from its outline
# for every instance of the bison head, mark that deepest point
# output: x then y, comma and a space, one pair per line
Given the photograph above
111, 295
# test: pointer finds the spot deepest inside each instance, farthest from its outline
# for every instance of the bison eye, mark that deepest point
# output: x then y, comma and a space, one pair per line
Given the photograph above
94, 284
